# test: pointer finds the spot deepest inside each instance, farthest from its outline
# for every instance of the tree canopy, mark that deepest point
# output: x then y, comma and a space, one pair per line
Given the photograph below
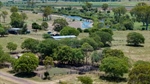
106, 37
14, 9
135, 38
105, 6
16, 20
28, 62
46, 47
46, 12
59, 24
30, 44
113, 53
69, 31
68, 54
114, 67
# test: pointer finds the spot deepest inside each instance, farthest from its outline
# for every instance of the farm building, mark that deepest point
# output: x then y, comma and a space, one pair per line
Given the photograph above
62, 37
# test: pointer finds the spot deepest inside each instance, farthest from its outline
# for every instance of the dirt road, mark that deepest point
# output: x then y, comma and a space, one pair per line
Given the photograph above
17, 80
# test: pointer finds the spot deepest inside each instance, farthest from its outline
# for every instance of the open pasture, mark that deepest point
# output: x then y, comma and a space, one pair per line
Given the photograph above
134, 53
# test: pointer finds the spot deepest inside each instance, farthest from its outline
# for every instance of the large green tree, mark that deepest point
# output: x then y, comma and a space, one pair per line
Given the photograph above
114, 67
46, 47
69, 31
135, 38
59, 24
30, 44
28, 62
16, 20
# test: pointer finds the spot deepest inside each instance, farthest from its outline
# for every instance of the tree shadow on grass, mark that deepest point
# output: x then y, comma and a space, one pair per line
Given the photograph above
25, 75
131, 45
113, 79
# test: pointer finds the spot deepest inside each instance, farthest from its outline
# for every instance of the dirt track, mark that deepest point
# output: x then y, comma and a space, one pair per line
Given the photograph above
25, 81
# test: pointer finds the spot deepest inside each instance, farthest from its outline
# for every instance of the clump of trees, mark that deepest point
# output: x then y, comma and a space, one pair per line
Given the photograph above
114, 63
141, 13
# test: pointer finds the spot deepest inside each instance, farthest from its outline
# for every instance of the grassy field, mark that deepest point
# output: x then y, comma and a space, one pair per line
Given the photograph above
18, 39
134, 53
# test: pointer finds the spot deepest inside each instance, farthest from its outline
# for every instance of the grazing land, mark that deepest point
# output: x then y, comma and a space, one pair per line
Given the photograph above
49, 61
